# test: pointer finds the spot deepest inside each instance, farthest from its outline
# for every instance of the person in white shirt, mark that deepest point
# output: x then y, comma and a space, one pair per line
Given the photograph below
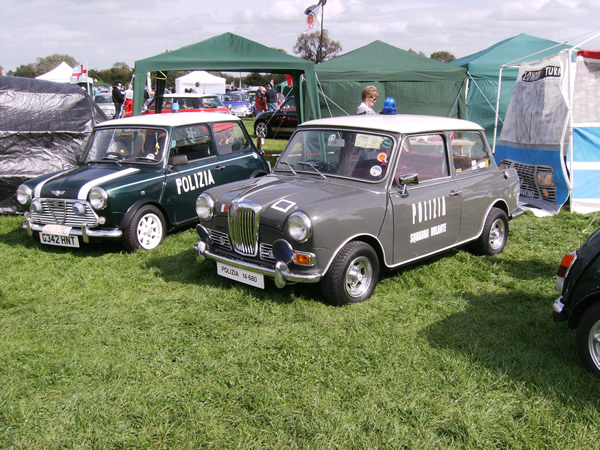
369, 97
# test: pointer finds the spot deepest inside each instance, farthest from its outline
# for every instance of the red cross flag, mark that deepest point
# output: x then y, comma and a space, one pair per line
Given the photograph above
79, 75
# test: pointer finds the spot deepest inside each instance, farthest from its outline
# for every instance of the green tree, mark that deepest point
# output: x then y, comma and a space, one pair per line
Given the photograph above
415, 52
48, 63
309, 47
120, 72
25, 71
443, 56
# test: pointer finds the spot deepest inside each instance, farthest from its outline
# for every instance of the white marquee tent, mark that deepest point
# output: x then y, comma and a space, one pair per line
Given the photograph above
60, 74
209, 84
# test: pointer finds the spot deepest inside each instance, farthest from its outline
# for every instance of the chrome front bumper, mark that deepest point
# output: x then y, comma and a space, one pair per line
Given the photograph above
85, 232
281, 273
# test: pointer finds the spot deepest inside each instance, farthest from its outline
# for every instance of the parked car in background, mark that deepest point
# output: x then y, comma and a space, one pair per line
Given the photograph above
280, 123
238, 103
137, 178
186, 103
578, 283
106, 104
350, 196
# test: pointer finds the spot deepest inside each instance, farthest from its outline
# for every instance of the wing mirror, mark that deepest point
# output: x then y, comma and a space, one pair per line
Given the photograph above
403, 181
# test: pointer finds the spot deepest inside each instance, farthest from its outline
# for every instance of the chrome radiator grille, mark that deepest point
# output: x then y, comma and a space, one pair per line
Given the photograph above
60, 212
243, 217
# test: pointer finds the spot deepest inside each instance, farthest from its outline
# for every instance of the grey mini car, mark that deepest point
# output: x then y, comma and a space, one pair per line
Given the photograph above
351, 196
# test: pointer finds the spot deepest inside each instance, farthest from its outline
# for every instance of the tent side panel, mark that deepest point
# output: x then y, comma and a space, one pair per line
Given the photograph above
585, 197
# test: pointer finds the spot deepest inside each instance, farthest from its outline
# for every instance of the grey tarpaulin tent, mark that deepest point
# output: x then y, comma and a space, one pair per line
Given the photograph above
43, 126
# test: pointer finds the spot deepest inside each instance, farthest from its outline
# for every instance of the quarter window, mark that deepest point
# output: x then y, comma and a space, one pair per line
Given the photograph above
469, 152
230, 138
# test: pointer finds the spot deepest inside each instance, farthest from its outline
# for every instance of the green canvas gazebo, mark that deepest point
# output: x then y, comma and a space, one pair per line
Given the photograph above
229, 52
419, 85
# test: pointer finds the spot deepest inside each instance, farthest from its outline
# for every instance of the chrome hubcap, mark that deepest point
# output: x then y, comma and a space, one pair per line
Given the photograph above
594, 344
359, 276
497, 234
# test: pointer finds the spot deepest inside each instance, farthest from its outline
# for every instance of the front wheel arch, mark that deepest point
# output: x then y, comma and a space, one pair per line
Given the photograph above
352, 275
146, 230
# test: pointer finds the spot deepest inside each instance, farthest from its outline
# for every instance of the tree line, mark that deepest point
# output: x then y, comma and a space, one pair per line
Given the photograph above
310, 46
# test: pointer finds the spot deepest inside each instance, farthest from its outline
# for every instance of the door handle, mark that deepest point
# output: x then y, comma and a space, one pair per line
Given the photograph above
219, 167
454, 193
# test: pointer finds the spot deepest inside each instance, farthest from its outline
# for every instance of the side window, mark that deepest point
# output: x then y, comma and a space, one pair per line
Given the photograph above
230, 138
424, 155
469, 152
193, 141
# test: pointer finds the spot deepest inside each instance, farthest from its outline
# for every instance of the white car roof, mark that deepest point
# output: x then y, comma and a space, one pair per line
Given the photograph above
397, 123
169, 120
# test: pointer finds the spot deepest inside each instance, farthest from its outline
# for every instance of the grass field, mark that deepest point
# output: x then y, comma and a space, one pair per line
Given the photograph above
105, 349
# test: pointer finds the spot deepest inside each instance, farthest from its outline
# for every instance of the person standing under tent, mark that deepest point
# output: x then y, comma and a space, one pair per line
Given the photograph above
271, 98
369, 97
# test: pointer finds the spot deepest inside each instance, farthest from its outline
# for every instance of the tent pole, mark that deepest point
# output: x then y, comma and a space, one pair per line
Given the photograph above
497, 109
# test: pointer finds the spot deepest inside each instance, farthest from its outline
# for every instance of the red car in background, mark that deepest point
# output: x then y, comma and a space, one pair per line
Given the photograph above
187, 103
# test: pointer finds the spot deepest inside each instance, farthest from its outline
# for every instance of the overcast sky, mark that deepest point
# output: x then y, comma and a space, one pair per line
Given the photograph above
104, 32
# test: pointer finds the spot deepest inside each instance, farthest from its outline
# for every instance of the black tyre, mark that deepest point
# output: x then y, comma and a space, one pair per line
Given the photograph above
494, 235
353, 274
588, 339
146, 229
261, 128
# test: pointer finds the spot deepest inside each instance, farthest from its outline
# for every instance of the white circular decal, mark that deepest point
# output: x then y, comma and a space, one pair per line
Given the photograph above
375, 171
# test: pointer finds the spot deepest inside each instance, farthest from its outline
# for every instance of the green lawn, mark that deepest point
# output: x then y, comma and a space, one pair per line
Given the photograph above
105, 349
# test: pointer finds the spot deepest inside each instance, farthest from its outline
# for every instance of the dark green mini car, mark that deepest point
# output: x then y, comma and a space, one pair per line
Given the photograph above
578, 283
139, 177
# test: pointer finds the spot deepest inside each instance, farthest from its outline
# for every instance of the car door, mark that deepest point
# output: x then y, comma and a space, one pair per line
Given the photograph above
428, 219
184, 182
285, 119
474, 175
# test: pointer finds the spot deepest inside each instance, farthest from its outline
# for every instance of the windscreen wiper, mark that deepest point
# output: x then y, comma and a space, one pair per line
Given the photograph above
306, 163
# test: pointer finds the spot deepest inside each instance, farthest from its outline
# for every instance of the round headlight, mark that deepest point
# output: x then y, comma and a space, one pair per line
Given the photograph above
24, 194
205, 206
98, 198
299, 227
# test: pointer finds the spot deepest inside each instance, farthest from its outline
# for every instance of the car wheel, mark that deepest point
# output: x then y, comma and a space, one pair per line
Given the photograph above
352, 276
146, 229
494, 235
261, 129
588, 339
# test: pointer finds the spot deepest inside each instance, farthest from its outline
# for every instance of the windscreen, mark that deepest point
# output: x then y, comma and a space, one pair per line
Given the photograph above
126, 144
341, 153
